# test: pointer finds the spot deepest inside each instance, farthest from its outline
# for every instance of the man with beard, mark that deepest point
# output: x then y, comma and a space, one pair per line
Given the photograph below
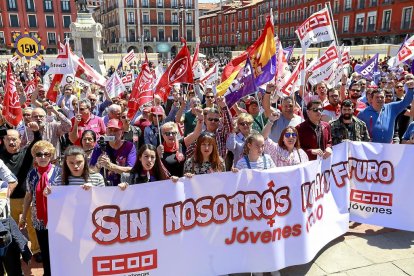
354, 95
348, 127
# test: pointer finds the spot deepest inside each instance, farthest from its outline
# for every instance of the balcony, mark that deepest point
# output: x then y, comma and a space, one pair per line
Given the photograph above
386, 28
131, 22
359, 29
160, 21
132, 39
371, 28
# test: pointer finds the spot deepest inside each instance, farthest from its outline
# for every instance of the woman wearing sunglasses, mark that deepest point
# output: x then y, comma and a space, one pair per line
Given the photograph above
171, 150
287, 151
206, 158
148, 168
235, 141
43, 174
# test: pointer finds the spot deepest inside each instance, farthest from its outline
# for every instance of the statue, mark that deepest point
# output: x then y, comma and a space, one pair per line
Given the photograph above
82, 5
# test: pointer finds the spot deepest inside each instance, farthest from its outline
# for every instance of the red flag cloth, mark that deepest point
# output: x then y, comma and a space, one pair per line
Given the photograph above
142, 89
53, 90
179, 71
195, 57
12, 111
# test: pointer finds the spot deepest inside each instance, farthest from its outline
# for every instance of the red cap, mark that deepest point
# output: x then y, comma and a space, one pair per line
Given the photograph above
157, 110
114, 123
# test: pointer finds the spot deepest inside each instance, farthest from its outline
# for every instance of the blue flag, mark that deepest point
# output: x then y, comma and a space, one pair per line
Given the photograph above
369, 68
242, 85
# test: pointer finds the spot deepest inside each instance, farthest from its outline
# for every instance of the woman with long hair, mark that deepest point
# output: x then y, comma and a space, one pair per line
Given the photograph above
253, 154
287, 151
206, 158
88, 142
43, 175
75, 170
147, 168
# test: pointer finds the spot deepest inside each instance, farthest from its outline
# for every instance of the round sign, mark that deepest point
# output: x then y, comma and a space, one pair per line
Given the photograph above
27, 46
163, 48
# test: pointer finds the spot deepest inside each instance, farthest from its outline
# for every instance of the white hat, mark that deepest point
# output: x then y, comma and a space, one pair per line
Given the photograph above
208, 86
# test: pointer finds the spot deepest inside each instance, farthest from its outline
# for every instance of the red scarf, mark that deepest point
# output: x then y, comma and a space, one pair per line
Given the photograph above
169, 149
41, 200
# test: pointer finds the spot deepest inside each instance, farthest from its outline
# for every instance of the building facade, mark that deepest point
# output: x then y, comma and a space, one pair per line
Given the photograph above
236, 25
49, 19
233, 26
357, 22
151, 25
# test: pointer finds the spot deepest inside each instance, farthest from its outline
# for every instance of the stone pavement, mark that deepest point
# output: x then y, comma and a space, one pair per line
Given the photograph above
365, 250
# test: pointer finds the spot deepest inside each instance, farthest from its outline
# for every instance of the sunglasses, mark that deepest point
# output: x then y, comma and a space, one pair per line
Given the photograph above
246, 123
209, 97
82, 109
290, 134
213, 119
317, 109
170, 133
399, 86
356, 90
43, 154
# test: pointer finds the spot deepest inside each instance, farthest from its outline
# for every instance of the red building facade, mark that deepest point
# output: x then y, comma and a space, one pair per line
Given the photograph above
357, 22
49, 19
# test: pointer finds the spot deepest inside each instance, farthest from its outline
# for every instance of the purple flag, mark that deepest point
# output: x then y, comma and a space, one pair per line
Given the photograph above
288, 52
242, 85
369, 68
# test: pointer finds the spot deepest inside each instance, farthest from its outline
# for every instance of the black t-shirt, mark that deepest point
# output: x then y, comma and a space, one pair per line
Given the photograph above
174, 161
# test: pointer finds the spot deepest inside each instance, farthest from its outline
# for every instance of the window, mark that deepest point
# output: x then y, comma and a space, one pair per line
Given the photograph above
220, 39
175, 18
189, 18
66, 21
232, 27
50, 21
32, 20
160, 18
226, 28
240, 15
347, 5
189, 35
246, 37
361, 4
147, 35
2, 40
246, 25
1, 21
11, 5
175, 35
254, 13
373, 3
282, 18
305, 13
226, 18
51, 38
14, 20
286, 32
336, 7
145, 18
246, 14
219, 30
359, 23
208, 30
130, 3
131, 35
372, 19
65, 6
48, 5
30, 5
174, 3
319, 7
292, 31
281, 32
386, 20
161, 35
131, 17
292, 16
145, 3
406, 18
253, 36
287, 17
345, 25
160, 3
311, 9
298, 15
239, 26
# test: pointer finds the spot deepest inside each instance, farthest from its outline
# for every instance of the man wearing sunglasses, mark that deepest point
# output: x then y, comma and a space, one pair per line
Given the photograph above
314, 134
354, 94
348, 127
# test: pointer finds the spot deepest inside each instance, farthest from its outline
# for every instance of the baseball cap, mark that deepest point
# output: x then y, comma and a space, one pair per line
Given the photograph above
114, 123
157, 110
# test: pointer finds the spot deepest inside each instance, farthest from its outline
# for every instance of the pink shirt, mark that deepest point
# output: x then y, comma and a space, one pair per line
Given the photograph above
94, 123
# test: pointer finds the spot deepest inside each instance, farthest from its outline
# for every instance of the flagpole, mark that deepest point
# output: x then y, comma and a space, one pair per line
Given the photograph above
328, 5
259, 104
159, 130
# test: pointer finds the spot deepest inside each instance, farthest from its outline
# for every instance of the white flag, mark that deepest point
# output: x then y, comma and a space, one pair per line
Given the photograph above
317, 28
63, 64
293, 83
129, 57
114, 86
323, 67
405, 53
282, 67
211, 76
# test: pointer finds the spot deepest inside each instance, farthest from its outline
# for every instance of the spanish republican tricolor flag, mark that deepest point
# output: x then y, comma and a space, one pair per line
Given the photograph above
262, 56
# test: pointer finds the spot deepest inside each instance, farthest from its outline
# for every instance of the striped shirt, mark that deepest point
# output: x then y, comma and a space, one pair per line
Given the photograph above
264, 162
95, 179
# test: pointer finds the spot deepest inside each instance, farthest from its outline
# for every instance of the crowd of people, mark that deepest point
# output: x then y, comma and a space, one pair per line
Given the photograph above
86, 138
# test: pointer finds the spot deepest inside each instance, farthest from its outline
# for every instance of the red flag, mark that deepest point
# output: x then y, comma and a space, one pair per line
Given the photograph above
195, 57
58, 72
142, 90
178, 71
12, 111
29, 89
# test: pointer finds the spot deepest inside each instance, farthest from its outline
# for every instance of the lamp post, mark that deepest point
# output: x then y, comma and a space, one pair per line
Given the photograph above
181, 15
238, 36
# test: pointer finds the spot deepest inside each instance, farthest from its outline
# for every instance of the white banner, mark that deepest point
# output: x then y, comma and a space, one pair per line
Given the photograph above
211, 224
129, 57
114, 85
322, 69
381, 185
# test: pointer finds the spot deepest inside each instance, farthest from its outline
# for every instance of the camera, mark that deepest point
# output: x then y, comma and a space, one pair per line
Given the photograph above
102, 141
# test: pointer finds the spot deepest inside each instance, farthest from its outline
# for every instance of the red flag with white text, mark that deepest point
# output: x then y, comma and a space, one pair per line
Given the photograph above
142, 91
294, 81
179, 71
12, 110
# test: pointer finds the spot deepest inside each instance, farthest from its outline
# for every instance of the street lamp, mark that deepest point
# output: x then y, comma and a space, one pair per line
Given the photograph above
181, 15
238, 36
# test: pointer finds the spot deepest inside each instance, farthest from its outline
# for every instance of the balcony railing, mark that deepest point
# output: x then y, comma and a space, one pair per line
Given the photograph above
131, 22
359, 29
52, 42
371, 28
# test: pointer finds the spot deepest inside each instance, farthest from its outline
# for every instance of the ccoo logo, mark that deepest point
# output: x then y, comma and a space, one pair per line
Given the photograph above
178, 69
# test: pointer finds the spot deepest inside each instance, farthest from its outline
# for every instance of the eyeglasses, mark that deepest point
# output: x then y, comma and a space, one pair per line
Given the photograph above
388, 96
43, 154
82, 108
209, 97
356, 90
399, 86
245, 123
317, 109
290, 134
213, 119
38, 116
170, 133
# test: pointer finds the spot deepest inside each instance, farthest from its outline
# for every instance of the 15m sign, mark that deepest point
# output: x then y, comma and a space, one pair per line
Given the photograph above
27, 46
